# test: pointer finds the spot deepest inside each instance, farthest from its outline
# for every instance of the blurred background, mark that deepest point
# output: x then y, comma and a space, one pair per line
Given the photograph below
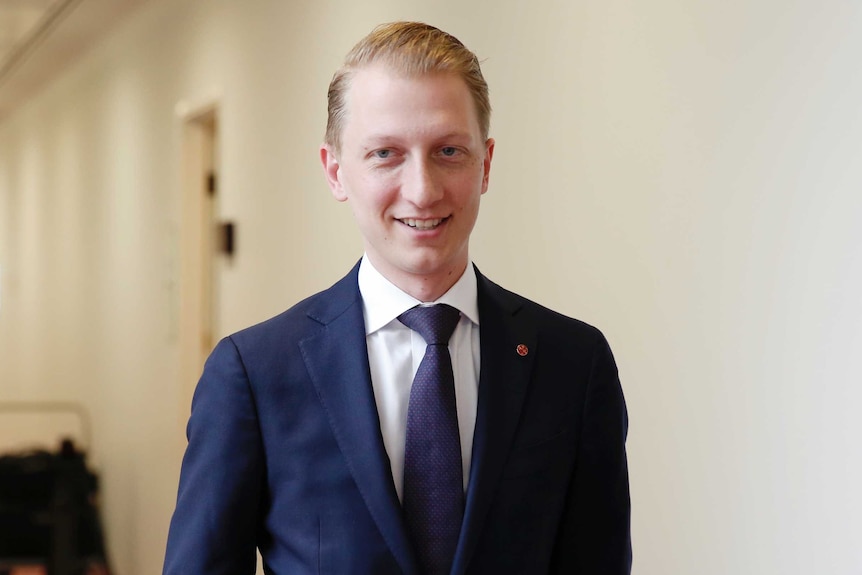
684, 174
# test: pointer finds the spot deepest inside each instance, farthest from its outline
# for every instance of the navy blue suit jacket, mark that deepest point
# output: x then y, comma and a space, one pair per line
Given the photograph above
285, 451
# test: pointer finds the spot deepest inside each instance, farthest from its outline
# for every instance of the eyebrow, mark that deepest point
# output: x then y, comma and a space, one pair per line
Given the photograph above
376, 140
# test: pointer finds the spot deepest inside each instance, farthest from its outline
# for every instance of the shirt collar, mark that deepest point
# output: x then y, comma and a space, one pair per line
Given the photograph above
382, 301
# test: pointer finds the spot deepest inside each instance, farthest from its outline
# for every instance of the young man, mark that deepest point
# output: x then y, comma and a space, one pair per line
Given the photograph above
343, 436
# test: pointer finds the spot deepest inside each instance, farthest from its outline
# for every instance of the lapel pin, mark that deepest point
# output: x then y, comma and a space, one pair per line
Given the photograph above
522, 349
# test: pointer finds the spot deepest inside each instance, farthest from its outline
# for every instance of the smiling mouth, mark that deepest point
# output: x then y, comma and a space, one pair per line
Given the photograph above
423, 224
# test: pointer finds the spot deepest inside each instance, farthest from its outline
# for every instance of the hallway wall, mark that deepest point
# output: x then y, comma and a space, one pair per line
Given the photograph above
684, 175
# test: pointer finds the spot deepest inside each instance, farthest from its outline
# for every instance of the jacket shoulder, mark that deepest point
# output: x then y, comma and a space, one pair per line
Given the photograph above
542, 317
304, 318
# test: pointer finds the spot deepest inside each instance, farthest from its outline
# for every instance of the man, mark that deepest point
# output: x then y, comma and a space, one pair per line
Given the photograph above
309, 438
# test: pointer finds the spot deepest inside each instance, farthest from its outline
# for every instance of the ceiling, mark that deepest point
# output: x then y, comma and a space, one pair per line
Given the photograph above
41, 38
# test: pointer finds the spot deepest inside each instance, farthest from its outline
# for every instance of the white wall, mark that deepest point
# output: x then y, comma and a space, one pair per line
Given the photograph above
685, 175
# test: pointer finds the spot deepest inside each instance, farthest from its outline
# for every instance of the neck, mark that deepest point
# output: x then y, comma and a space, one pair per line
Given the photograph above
425, 288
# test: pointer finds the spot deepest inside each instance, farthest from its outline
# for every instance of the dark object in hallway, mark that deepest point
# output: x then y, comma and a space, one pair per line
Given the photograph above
48, 513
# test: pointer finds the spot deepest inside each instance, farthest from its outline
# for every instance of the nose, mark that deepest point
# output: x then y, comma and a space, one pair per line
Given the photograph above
421, 185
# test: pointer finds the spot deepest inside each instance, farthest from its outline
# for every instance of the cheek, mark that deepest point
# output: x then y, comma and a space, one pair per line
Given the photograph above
468, 189
378, 189
371, 201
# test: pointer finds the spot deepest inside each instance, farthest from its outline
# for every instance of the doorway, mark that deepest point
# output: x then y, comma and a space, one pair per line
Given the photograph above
199, 246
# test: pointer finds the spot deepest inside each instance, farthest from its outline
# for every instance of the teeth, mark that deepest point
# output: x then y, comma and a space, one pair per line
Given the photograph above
422, 224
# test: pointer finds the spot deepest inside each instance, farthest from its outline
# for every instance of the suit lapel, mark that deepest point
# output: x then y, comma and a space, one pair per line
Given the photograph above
503, 381
337, 362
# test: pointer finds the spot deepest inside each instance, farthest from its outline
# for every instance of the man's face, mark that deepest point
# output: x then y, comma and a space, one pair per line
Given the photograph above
413, 166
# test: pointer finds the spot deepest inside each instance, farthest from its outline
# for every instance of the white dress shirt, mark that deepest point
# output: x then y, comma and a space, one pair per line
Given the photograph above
395, 352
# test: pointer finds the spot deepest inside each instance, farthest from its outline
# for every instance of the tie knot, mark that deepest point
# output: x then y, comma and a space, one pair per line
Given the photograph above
435, 323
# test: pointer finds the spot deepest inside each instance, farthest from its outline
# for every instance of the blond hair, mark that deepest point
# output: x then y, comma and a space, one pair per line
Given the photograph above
411, 48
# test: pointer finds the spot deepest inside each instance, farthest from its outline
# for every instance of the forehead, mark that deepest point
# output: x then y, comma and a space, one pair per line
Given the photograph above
382, 100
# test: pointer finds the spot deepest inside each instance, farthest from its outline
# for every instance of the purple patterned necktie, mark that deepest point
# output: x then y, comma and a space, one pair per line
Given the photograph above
433, 497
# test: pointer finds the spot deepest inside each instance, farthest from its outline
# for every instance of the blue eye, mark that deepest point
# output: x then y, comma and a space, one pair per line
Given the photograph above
383, 154
449, 151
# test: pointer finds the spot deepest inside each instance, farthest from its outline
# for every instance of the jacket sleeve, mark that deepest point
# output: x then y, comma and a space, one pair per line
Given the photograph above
595, 533
213, 529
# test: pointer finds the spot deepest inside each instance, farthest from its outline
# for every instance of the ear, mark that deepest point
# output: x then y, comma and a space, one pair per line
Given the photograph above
486, 163
332, 170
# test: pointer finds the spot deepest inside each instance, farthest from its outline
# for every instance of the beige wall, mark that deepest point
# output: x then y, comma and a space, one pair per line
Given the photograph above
685, 175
